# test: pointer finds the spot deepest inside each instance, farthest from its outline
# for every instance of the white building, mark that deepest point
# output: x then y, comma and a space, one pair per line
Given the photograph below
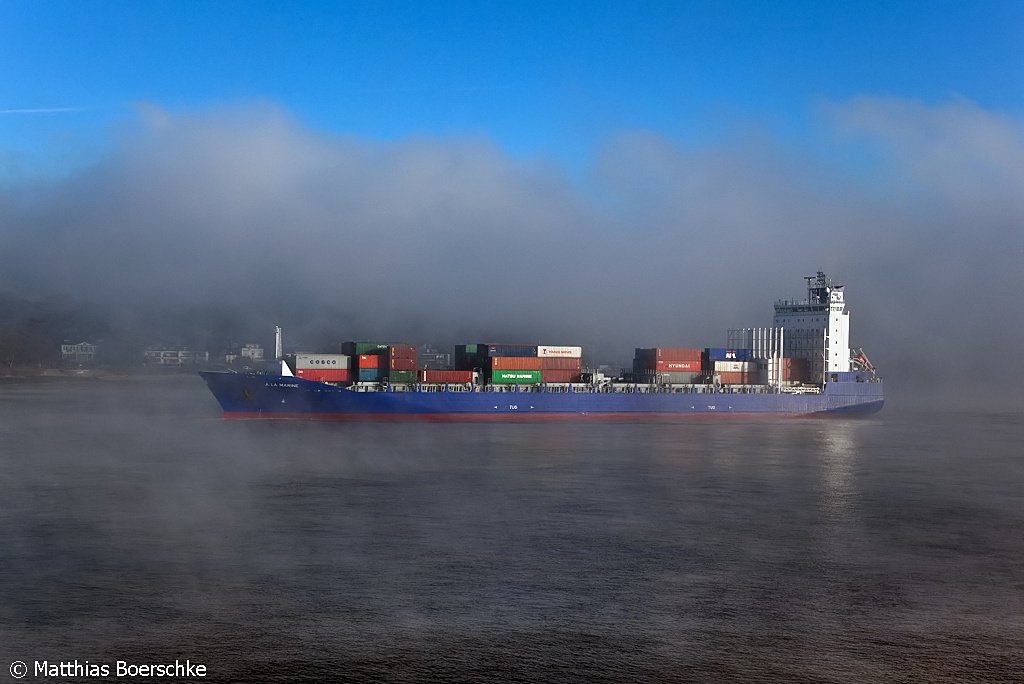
83, 353
252, 351
175, 356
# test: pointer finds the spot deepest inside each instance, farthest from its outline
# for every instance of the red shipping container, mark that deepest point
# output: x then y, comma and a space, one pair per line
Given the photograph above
455, 377
678, 366
560, 375
515, 363
794, 370
324, 375
677, 354
369, 361
562, 363
402, 351
735, 378
401, 364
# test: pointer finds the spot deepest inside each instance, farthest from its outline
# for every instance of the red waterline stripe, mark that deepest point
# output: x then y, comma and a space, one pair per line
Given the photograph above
504, 417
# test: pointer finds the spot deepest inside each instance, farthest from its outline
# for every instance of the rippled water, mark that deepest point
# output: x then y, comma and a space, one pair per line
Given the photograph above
136, 525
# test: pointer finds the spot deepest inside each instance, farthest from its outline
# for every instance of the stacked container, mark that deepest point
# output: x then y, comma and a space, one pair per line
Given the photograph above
522, 363
560, 364
401, 363
376, 361
670, 365
322, 367
738, 372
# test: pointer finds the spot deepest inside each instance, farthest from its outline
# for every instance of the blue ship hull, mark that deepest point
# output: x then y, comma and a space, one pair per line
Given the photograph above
243, 395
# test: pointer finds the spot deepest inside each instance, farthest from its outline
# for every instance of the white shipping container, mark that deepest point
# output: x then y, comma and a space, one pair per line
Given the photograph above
323, 361
736, 366
550, 352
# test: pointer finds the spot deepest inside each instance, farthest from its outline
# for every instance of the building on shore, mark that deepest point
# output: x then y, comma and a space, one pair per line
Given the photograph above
80, 354
175, 356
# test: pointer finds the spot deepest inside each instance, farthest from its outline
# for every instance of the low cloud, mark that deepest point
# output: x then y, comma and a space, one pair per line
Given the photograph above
916, 208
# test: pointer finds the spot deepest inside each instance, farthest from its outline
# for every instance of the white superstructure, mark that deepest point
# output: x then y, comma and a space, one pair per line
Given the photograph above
817, 328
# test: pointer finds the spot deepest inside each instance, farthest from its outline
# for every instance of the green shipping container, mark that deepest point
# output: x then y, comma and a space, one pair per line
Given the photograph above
401, 376
359, 348
515, 377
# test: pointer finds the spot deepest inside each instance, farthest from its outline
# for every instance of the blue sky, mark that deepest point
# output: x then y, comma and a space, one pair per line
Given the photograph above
542, 79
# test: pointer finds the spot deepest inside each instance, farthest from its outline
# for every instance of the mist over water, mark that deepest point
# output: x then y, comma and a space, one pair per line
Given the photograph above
138, 525
249, 215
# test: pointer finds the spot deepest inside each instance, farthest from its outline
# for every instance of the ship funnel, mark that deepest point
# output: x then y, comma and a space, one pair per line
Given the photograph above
278, 346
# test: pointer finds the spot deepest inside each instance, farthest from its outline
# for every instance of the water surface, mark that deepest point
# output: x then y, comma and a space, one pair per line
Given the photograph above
137, 525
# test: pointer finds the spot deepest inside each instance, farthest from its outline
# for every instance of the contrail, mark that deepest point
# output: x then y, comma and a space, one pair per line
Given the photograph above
42, 110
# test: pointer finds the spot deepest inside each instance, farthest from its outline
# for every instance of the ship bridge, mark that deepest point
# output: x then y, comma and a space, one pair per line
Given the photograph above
817, 328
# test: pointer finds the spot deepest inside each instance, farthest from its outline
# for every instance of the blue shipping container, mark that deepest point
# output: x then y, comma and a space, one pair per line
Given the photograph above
723, 354
509, 349
371, 374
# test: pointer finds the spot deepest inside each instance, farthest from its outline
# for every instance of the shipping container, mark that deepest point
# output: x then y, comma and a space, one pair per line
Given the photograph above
368, 361
736, 378
649, 356
515, 377
515, 363
370, 374
677, 354
669, 378
335, 361
560, 376
402, 351
358, 348
402, 364
549, 363
736, 366
546, 351
401, 376
723, 354
446, 376
647, 360
678, 366
507, 349
324, 374
792, 370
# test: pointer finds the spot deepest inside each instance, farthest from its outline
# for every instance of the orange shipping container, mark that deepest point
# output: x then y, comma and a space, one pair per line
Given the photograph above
735, 378
515, 363
369, 361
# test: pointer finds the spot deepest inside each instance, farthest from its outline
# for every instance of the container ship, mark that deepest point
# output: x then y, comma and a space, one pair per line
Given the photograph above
802, 365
